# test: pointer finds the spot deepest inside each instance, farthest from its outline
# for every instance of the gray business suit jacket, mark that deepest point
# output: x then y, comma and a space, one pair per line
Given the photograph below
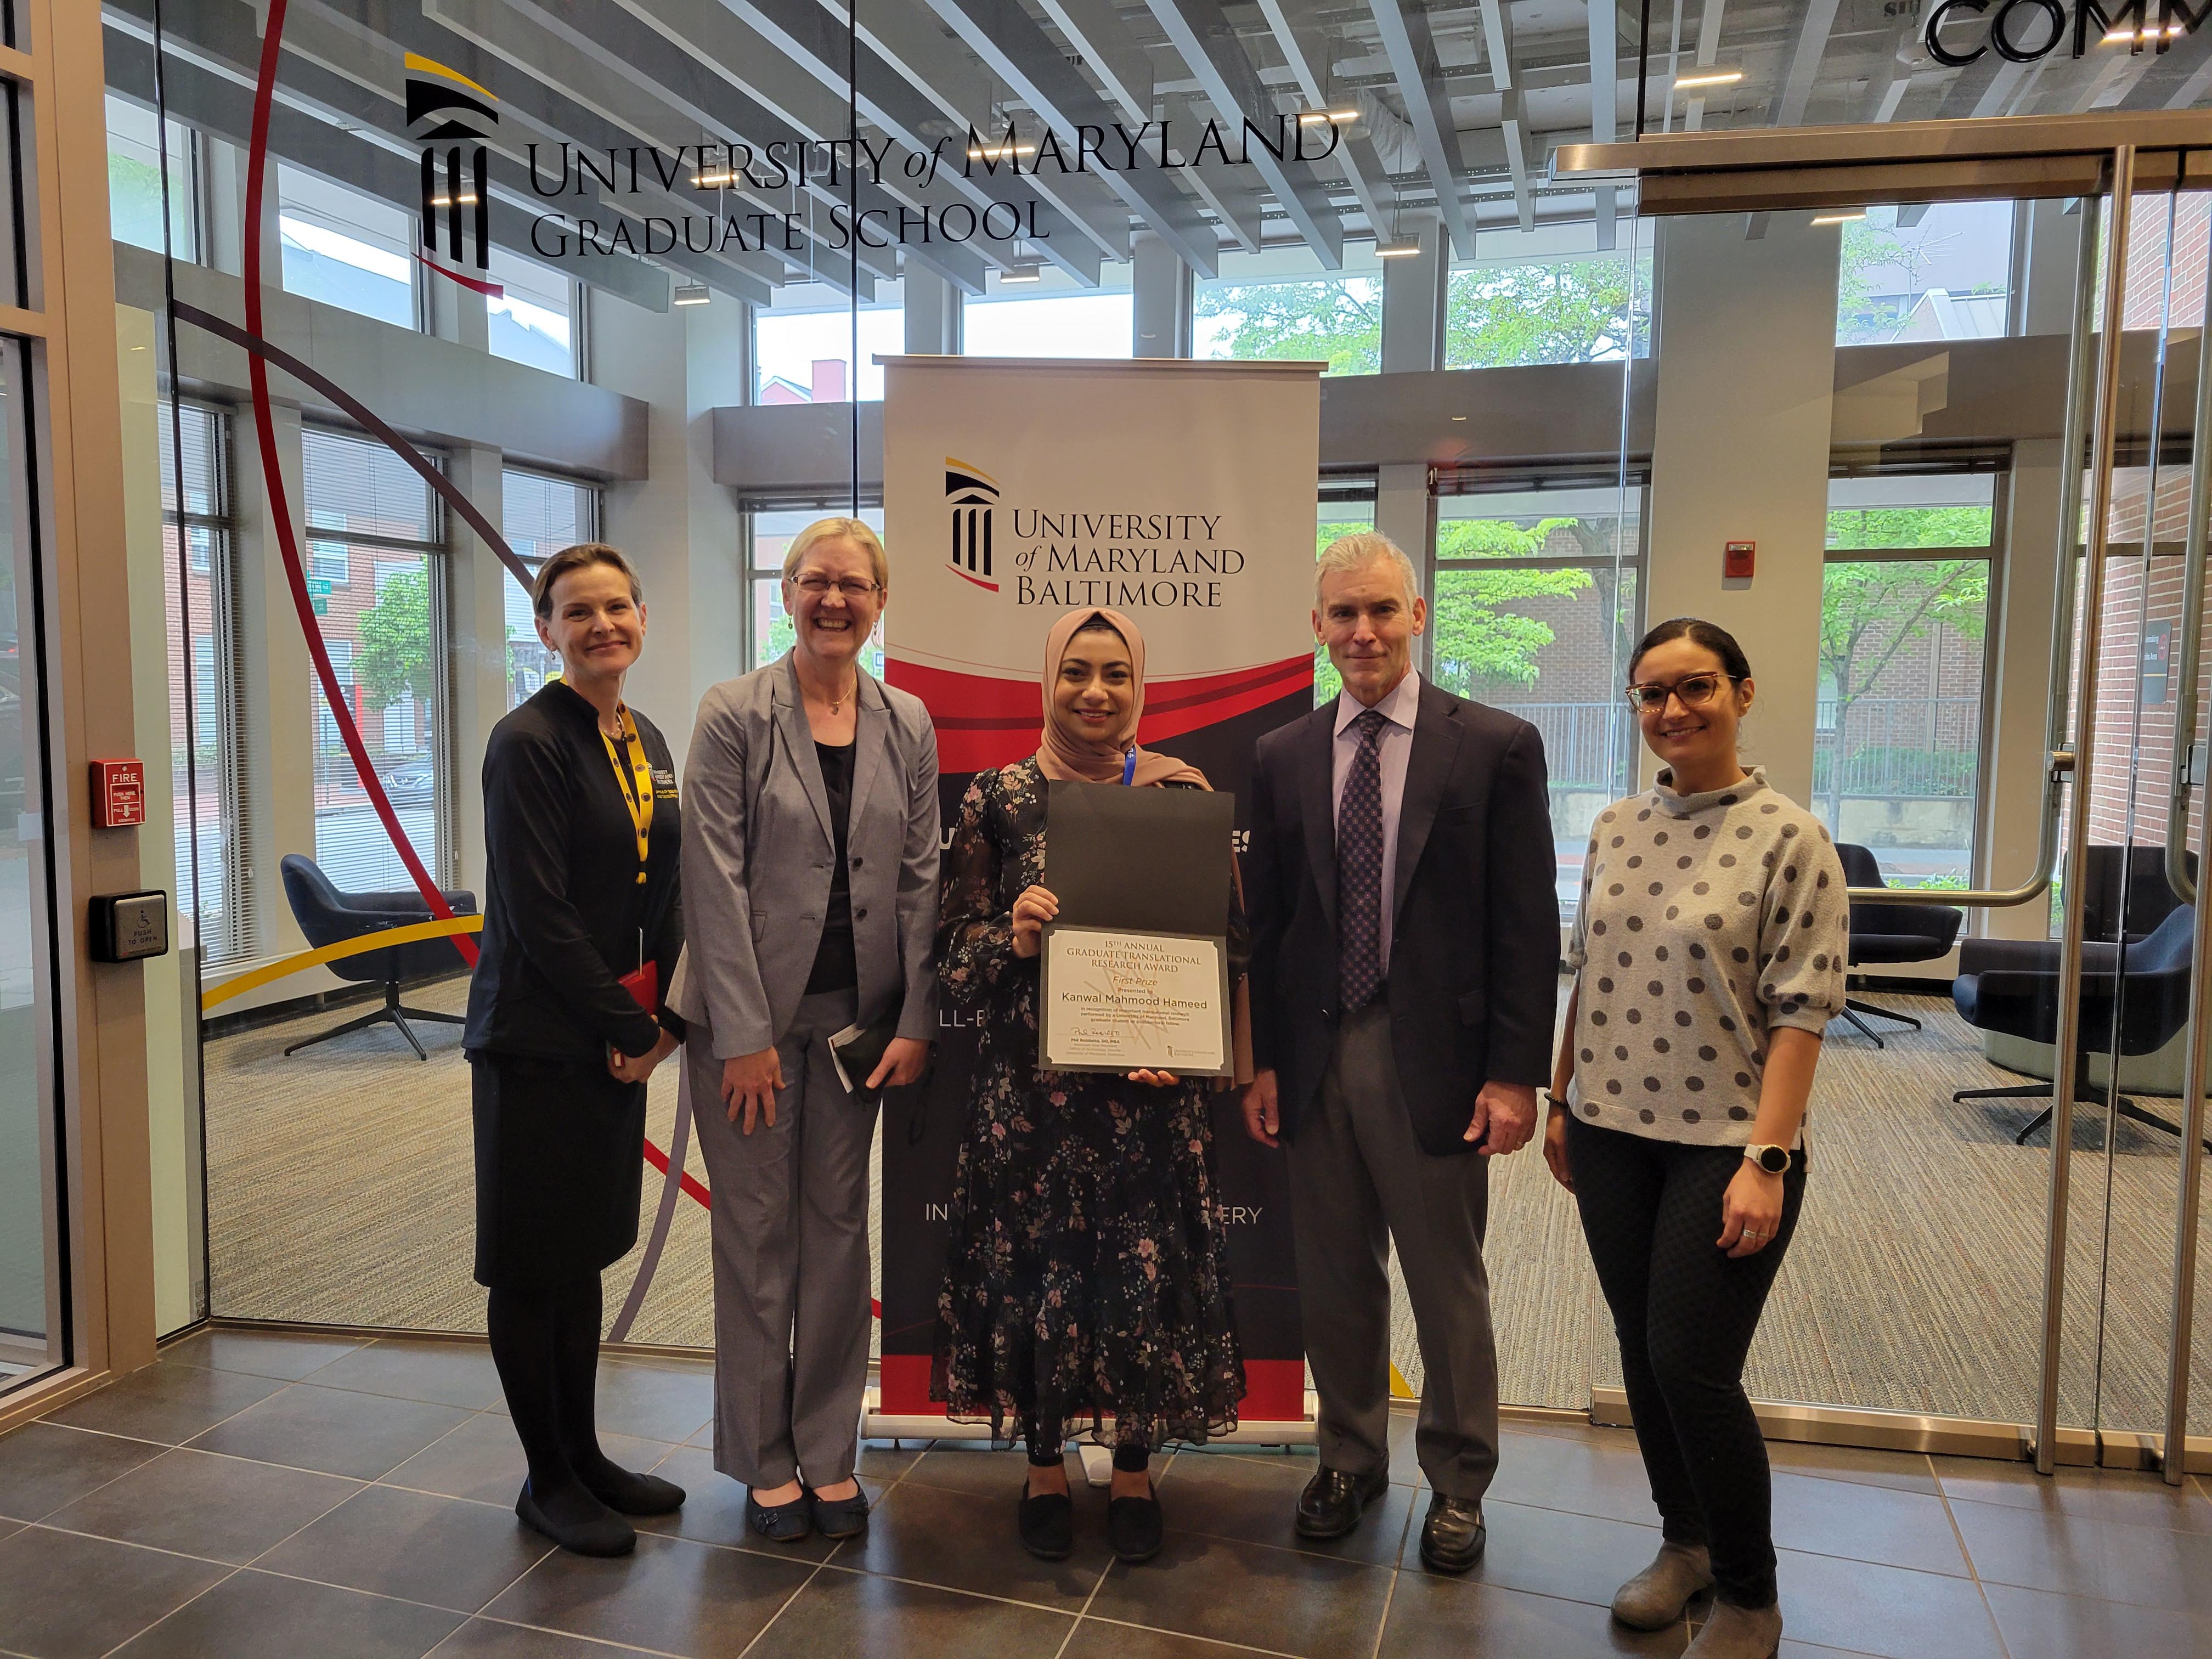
757, 852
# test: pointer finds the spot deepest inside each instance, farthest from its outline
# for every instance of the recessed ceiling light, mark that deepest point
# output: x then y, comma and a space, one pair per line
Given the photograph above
1314, 118
1845, 216
1711, 78
999, 152
1028, 274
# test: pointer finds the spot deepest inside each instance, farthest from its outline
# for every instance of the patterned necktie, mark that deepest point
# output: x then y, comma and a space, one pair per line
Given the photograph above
1360, 867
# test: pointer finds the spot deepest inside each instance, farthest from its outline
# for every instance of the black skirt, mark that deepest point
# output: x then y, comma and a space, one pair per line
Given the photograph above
560, 1167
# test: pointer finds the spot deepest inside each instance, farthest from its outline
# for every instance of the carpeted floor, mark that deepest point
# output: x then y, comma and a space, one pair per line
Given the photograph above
339, 1192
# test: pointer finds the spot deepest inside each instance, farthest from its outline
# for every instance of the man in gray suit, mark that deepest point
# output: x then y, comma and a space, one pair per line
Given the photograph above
1405, 956
809, 858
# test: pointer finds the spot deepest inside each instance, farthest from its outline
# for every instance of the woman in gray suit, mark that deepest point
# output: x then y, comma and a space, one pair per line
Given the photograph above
810, 872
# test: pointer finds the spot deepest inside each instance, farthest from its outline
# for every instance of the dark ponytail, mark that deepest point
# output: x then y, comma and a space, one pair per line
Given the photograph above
1696, 629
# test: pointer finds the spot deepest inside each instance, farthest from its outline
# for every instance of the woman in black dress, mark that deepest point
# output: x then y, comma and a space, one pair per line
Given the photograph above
580, 834
1088, 1273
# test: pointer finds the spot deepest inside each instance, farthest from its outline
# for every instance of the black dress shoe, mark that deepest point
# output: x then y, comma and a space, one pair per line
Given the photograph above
780, 1523
1134, 1526
578, 1523
1453, 1535
839, 1517
1047, 1523
1333, 1501
628, 1493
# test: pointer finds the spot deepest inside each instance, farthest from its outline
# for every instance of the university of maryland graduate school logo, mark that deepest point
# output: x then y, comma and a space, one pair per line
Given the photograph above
449, 115
971, 496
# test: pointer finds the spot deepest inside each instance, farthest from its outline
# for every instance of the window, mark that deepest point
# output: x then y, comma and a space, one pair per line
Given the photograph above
1280, 303
346, 249
1534, 611
1052, 317
1347, 506
134, 179
538, 516
1904, 605
769, 528
803, 345
1934, 272
213, 888
1554, 298
533, 322
385, 625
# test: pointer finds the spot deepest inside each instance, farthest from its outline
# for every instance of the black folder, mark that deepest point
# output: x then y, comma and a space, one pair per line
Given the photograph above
1147, 860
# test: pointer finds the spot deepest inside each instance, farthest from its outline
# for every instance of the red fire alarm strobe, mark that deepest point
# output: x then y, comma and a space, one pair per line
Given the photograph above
118, 793
1737, 560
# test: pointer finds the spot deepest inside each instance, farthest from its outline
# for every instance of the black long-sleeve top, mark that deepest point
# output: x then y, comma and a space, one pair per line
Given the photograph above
565, 907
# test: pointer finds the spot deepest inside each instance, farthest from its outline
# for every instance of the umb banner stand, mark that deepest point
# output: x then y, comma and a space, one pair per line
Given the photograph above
1184, 494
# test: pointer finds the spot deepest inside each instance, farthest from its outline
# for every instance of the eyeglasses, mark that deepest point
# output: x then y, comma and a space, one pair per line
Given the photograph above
853, 587
1695, 691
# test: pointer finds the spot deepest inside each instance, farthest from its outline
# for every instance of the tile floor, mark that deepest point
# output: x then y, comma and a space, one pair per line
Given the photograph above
261, 1493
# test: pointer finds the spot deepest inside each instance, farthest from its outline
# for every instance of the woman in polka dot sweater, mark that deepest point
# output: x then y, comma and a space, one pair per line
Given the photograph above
1709, 955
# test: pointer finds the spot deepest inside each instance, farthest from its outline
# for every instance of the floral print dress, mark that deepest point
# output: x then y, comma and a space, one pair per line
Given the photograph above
1088, 1273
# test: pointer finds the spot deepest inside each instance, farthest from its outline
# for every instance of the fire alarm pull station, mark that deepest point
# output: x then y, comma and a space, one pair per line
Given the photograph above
118, 793
1737, 561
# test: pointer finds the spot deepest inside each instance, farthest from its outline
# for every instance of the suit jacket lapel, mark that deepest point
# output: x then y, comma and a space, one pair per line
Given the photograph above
799, 737
1317, 803
872, 735
1436, 733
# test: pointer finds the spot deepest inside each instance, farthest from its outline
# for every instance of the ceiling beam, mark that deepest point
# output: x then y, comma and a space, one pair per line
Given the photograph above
1605, 102
1305, 50
1790, 100
1094, 28
1016, 48
1412, 51
1213, 52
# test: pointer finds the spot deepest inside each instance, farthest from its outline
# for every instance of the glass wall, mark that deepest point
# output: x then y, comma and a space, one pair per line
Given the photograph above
345, 248
1282, 303
533, 318
1050, 315
1548, 295
769, 527
539, 516
803, 343
135, 193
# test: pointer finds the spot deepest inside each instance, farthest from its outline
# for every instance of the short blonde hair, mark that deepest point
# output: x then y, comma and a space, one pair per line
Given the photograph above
578, 558
831, 530
1359, 550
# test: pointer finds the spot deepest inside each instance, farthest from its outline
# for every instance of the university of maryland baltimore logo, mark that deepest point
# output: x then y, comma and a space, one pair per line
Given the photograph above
449, 116
970, 495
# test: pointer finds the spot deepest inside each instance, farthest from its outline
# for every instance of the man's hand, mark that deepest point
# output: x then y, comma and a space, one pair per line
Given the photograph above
1505, 1117
902, 1063
750, 1083
638, 1068
1261, 1121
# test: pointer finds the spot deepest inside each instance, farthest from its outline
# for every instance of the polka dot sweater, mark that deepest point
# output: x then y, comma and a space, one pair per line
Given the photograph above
1706, 920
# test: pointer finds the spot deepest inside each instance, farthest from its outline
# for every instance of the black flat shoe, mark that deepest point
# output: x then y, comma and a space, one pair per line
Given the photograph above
628, 1493
1047, 1523
1334, 1500
780, 1523
839, 1517
1453, 1535
1136, 1528
574, 1527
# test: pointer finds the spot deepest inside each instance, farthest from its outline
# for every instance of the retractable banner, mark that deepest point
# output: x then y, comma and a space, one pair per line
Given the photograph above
1182, 493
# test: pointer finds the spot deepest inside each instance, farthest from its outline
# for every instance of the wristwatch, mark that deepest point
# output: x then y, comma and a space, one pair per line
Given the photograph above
1775, 1160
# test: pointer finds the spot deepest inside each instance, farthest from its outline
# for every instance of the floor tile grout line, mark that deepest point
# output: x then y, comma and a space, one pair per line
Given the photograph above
1184, 1635
1105, 1572
1973, 1571
205, 1590
549, 1630
1389, 1596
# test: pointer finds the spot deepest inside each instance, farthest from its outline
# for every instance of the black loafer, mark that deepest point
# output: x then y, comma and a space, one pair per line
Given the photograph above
631, 1493
780, 1523
1047, 1523
1334, 1500
839, 1517
1134, 1526
1453, 1535
603, 1534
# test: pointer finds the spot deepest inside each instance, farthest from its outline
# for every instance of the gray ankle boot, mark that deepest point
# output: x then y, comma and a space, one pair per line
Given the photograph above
1733, 1633
1655, 1598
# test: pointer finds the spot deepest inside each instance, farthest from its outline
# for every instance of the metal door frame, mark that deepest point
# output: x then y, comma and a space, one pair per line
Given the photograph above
2105, 161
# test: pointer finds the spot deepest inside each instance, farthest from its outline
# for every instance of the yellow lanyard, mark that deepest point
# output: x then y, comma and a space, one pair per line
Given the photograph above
634, 774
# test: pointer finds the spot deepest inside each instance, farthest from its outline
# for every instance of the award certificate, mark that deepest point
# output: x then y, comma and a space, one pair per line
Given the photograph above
1114, 999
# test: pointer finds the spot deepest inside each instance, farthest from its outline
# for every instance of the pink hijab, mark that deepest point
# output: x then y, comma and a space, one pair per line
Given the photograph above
1069, 759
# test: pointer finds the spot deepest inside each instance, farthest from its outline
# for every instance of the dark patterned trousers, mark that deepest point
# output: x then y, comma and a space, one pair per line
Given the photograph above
1684, 1312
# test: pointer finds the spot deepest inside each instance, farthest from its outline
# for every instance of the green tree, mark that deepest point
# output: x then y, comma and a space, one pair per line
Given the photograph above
1339, 320
1871, 611
391, 641
1567, 311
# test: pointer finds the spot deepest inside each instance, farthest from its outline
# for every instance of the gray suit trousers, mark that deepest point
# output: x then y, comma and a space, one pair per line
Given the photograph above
791, 1260
1359, 1180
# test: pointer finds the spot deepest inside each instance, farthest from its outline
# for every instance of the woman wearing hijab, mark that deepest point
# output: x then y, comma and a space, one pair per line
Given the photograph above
1088, 1273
